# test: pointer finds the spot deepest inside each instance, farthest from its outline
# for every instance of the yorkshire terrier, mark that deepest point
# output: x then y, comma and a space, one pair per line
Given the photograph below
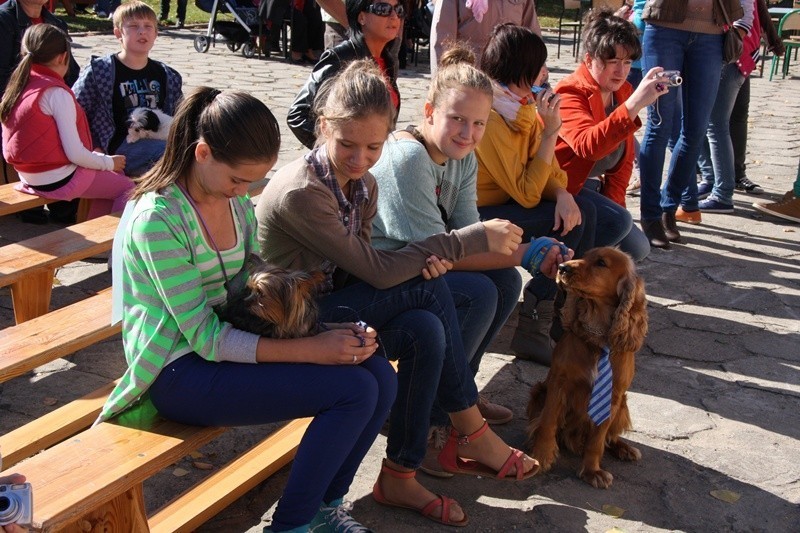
275, 302
145, 123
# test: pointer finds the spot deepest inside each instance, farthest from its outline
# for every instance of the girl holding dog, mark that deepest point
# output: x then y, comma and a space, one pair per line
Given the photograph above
46, 134
190, 232
317, 213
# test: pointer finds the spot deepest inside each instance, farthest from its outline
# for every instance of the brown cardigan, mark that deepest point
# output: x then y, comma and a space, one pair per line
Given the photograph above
299, 227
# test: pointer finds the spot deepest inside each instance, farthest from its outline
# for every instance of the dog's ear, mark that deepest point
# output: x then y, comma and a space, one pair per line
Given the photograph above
629, 323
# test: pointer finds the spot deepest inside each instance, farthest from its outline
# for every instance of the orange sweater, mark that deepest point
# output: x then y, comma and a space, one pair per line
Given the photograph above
588, 135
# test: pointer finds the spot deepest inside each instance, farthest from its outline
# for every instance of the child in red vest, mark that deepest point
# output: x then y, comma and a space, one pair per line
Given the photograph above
46, 134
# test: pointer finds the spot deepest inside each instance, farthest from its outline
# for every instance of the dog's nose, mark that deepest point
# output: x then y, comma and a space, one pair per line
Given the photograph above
564, 268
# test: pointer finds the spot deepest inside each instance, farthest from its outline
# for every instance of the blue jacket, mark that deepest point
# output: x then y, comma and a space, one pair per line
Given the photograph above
94, 90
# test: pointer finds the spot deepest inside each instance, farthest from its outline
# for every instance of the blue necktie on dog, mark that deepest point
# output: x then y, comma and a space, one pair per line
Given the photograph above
600, 401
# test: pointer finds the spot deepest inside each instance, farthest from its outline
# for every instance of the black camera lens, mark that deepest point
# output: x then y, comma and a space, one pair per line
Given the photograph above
5, 503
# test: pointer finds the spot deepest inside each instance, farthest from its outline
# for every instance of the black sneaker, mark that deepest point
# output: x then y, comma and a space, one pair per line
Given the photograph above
747, 186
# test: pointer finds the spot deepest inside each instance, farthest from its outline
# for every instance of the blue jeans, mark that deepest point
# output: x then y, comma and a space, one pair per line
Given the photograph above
418, 326
484, 301
141, 156
349, 404
614, 224
107, 6
716, 158
538, 222
699, 58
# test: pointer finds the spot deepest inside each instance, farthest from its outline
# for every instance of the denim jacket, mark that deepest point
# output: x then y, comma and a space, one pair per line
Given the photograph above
94, 90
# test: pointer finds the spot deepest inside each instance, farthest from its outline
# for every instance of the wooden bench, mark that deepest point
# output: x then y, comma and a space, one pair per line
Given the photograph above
91, 479
29, 266
13, 201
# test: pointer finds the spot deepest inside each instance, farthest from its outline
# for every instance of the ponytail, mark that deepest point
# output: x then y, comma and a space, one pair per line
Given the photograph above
237, 127
40, 45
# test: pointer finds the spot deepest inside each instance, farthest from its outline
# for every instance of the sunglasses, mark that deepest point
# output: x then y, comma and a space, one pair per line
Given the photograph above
383, 9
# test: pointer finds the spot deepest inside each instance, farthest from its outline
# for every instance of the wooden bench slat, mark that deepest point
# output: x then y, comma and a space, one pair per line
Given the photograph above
52, 428
57, 248
61, 332
113, 457
13, 201
213, 494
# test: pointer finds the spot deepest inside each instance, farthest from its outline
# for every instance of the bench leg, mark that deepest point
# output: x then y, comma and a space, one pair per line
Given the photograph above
83, 210
31, 295
126, 512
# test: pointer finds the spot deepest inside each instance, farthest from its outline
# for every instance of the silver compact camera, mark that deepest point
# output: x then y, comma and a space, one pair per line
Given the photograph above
16, 504
670, 78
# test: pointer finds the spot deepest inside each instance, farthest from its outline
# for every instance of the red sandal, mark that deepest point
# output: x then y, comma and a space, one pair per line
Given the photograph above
451, 462
427, 511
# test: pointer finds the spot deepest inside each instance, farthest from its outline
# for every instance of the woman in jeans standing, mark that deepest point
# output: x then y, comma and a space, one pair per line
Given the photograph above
684, 35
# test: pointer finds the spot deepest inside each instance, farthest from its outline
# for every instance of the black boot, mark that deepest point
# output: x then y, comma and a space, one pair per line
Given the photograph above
655, 234
670, 226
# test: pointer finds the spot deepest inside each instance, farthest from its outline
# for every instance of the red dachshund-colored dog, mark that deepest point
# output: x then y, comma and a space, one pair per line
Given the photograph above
605, 308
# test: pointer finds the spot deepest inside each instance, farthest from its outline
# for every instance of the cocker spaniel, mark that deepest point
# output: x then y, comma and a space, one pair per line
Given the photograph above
605, 309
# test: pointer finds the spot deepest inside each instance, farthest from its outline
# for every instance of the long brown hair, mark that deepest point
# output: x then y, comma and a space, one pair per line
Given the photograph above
40, 45
237, 127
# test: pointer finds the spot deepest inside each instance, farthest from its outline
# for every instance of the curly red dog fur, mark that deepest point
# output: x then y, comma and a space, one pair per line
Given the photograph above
605, 306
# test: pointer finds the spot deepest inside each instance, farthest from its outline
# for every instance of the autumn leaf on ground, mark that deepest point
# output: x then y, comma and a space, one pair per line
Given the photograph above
196, 455
180, 472
726, 495
202, 466
50, 401
615, 529
613, 510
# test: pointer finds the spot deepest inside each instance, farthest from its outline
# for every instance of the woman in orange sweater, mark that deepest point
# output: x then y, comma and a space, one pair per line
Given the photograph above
599, 113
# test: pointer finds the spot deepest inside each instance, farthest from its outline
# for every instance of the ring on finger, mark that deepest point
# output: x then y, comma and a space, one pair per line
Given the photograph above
355, 359
361, 341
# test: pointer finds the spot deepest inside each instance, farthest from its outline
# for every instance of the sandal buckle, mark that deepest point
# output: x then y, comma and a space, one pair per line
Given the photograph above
463, 440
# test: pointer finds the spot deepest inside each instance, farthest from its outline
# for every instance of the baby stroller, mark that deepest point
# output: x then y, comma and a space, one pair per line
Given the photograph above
240, 33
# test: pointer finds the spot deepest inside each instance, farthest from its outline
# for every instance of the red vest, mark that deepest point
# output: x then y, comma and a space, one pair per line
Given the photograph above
30, 138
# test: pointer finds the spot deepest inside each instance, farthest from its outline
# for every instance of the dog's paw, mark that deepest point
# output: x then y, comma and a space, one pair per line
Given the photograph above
599, 479
624, 451
546, 455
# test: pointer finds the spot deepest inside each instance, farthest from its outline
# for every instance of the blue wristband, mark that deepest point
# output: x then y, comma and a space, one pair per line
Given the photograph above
537, 251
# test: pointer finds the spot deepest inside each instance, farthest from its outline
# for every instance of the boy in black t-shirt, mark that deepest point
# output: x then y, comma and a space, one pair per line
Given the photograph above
112, 86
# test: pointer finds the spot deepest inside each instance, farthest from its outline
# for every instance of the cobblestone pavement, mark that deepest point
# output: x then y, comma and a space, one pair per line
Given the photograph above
715, 402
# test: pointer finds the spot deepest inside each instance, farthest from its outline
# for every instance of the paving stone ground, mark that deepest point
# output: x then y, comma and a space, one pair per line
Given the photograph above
715, 402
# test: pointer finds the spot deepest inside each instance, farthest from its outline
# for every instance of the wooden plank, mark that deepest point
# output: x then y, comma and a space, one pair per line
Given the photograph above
54, 427
56, 248
61, 332
213, 494
13, 201
83, 473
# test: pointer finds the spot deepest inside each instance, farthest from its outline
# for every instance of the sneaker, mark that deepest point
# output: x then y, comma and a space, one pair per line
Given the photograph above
633, 186
704, 189
336, 520
747, 186
493, 413
712, 205
688, 217
786, 209
437, 437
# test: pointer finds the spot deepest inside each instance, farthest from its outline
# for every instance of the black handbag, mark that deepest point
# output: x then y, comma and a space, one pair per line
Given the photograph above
732, 45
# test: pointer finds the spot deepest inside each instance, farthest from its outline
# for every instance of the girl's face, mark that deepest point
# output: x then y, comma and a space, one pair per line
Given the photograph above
612, 74
378, 28
457, 124
220, 181
523, 90
354, 146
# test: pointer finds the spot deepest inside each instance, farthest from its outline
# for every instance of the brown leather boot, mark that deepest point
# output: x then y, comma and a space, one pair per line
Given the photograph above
531, 339
655, 234
670, 226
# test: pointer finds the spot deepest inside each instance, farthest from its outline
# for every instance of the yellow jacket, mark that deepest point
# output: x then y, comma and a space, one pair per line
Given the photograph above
508, 166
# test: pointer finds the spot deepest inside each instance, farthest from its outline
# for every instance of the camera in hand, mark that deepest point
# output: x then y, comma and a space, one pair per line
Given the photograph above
670, 78
536, 89
16, 504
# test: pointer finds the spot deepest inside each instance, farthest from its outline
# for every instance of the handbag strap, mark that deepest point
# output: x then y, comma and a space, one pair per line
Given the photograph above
725, 14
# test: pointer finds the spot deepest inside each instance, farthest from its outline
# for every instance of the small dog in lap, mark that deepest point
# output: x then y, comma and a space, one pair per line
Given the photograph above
275, 302
580, 405
145, 123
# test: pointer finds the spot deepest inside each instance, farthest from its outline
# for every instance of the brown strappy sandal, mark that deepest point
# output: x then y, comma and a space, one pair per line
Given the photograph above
427, 511
451, 462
